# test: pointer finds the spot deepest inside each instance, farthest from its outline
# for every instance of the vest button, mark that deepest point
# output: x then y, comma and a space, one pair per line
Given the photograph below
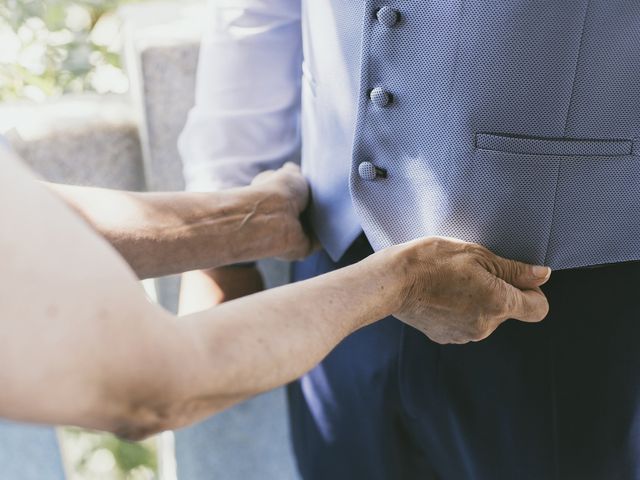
368, 171
388, 16
380, 97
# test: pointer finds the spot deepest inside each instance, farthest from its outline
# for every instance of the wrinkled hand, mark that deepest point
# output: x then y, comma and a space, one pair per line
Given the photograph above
457, 292
290, 192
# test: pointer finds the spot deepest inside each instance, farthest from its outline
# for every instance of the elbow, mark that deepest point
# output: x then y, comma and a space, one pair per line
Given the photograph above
135, 419
134, 423
138, 421
133, 432
138, 424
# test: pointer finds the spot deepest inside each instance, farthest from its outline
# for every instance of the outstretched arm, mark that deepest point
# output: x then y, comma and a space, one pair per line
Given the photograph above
173, 232
80, 344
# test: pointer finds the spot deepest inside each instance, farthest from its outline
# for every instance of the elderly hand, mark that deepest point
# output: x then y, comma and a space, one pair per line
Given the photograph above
457, 292
290, 193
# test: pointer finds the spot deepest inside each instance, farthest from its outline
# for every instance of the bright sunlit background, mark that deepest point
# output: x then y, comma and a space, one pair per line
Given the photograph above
60, 46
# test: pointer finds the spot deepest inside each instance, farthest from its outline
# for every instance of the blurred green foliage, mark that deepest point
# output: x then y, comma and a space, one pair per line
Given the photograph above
59, 46
100, 456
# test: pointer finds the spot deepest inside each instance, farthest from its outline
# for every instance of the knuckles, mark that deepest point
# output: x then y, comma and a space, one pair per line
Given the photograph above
465, 287
482, 329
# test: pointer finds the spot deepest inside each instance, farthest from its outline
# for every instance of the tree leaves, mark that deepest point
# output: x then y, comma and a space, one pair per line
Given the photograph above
55, 52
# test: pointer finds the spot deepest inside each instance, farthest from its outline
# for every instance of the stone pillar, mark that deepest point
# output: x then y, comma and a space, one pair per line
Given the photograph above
82, 140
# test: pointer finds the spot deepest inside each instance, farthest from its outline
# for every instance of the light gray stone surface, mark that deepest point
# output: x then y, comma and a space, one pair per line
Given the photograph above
85, 140
162, 46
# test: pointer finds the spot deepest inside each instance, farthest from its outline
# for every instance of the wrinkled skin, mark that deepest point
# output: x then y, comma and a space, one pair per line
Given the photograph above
289, 186
457, 292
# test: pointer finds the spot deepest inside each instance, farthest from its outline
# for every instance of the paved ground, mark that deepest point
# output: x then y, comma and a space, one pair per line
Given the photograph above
29, 453
248, 442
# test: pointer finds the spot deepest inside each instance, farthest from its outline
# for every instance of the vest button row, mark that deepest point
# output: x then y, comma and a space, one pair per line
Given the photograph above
380, 97
368, 171
387, 16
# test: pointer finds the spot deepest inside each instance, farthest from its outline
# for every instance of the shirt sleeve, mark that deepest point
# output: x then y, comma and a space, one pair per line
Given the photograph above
246, 114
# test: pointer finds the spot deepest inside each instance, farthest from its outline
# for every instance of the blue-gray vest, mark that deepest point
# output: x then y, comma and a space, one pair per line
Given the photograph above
510, 123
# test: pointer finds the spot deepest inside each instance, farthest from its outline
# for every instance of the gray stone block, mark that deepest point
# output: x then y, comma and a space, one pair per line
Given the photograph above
162, 45
85, 140
169, 96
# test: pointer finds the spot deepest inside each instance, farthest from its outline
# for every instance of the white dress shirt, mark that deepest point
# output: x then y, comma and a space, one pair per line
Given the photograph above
246, 115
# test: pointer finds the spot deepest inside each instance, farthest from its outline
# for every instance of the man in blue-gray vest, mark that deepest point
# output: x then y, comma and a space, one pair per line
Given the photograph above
511, 123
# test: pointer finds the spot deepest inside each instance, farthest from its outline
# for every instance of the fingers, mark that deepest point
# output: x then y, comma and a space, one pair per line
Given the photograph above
518, 274
526, 305
523, 298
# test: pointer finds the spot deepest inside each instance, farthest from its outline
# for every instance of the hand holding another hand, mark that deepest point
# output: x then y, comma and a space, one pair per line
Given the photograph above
457, 292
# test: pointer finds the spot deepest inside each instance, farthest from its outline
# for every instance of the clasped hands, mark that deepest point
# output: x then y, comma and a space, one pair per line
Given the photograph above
452, 291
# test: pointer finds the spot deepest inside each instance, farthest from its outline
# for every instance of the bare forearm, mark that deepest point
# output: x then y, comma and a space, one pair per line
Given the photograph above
165, 233
167, 373
265, 340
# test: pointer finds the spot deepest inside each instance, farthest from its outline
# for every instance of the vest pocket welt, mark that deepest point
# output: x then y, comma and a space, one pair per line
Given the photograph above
575, 147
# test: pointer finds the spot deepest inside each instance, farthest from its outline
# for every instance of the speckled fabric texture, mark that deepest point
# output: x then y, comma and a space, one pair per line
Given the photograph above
513, 124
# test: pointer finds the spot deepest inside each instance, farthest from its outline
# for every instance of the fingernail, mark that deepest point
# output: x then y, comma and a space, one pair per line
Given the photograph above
541, 272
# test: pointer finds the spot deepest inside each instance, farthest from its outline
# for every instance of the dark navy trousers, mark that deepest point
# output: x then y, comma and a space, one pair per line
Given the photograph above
558, 400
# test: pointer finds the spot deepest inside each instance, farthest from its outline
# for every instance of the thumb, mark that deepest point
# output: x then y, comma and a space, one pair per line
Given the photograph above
290, 166
527, 305
518, 274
